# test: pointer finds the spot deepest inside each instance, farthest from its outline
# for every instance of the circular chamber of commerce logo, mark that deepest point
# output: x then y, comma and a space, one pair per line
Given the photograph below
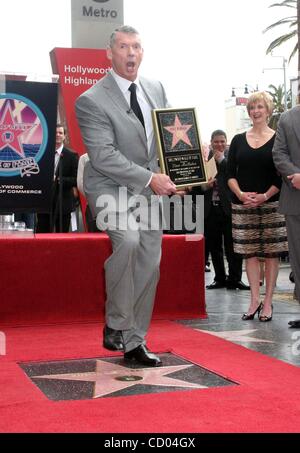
23, 136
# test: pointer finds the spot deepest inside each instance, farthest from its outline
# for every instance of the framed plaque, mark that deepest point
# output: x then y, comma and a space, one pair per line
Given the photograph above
179, 146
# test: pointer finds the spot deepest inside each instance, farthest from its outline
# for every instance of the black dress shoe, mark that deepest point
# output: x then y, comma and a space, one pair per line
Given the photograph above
216, 285
143, 356
295, 324
237, 285
112, 339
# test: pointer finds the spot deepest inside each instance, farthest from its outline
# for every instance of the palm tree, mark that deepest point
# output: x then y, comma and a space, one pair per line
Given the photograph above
278, 96
294, 32
293, 27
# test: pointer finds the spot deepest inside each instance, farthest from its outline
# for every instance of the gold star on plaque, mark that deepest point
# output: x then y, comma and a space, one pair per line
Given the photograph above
179, 132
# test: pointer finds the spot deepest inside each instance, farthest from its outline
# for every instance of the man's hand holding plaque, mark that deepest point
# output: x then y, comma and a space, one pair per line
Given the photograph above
162, 185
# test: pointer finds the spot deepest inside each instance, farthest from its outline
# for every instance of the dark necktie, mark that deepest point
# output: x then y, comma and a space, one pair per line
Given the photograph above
135, 106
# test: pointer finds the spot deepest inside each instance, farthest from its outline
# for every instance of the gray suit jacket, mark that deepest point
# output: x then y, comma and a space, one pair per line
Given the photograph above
286, 155
115, 139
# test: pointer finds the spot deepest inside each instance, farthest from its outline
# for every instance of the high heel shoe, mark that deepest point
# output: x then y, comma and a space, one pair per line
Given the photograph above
265, 318
248, 317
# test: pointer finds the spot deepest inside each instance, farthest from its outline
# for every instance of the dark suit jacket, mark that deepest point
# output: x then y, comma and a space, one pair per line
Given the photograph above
223, 189
65, 180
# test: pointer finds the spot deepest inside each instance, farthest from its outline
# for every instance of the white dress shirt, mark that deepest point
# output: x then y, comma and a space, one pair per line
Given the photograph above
124, 85
58, 152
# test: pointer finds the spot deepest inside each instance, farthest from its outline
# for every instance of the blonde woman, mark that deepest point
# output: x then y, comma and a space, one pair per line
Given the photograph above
258, 229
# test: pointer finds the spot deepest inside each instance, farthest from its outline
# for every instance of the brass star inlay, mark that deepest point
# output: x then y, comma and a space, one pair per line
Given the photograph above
111, 377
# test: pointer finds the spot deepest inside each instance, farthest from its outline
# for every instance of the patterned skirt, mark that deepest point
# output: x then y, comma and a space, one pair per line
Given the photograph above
259, 232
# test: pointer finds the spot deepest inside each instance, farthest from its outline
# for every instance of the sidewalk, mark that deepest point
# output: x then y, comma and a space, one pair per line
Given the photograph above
274, 338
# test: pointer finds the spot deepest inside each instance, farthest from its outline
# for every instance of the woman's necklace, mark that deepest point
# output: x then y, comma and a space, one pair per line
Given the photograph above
260, 137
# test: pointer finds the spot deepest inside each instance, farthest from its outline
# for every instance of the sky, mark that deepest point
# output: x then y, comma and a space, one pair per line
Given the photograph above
198, 49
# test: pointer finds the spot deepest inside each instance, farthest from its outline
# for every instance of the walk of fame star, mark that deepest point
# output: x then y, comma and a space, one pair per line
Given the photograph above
239, 336
179, 132
110, 377
11, 131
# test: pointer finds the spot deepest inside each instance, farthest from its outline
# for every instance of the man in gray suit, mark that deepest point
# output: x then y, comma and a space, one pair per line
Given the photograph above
116, 125
286, 155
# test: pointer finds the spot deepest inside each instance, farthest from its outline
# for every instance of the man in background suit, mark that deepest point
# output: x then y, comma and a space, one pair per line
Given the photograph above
115, 121
217, 220
286, 155
65, 180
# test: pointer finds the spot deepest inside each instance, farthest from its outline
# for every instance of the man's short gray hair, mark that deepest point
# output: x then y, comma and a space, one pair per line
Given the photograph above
124, 29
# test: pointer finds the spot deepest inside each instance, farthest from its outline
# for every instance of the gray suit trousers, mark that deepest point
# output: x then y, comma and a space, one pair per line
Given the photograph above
132, 272
293, 228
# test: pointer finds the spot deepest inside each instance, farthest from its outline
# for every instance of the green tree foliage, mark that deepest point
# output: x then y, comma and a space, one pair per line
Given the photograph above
291, 22
278, 96
293, 33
